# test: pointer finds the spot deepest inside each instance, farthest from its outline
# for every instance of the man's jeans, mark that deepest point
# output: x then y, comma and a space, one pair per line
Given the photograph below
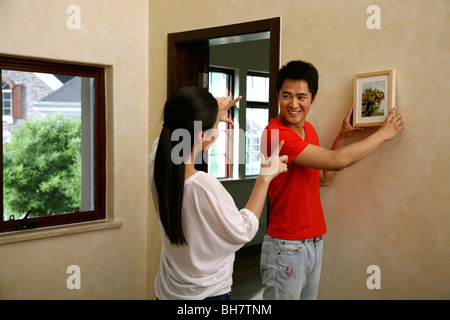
290, 269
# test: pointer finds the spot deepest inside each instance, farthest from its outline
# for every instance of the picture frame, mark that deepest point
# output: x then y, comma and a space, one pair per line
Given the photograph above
374, 97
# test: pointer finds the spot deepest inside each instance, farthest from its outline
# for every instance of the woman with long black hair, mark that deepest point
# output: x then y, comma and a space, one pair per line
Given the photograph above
201, 227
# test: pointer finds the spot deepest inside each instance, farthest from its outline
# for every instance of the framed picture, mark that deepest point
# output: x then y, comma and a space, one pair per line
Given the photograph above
374, 97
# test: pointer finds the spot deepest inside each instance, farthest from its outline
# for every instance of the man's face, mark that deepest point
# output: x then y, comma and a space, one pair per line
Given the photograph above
295, 101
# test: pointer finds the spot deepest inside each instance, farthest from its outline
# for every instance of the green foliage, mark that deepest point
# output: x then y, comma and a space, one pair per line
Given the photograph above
42, 167
369, 95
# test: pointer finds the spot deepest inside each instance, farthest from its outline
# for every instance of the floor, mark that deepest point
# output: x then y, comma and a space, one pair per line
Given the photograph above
246, 274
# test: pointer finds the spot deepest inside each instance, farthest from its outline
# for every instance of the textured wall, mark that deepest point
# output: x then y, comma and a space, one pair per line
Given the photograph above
391, 209
112, 262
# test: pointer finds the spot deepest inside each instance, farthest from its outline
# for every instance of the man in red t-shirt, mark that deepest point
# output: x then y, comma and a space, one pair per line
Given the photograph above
291, 255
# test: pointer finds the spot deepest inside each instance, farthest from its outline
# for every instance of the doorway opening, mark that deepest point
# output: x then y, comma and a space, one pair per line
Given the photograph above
188, 52
229, 55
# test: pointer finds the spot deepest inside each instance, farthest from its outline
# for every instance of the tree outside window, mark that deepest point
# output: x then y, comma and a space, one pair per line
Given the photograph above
54, 156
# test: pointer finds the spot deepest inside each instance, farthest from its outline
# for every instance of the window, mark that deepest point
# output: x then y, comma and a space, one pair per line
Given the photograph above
220, 155
220, 152
257, 118
54, 158
7, 102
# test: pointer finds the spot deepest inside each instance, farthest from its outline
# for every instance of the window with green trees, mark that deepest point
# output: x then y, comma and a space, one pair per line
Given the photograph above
53, 154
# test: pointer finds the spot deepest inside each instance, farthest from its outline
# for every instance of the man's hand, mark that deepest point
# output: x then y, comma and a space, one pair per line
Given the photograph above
392, 125
347, 128
225, 103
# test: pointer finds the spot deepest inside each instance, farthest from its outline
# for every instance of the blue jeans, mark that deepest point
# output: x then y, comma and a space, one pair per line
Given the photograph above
226, 296
290, 269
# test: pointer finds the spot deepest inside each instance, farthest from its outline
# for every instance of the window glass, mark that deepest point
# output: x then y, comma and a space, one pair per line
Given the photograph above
218, 152
218, 84
53, 155
48, 160
257, 88
6, 99
257, 118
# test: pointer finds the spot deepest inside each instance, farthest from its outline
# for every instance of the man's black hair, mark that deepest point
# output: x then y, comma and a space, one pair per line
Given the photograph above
299, 70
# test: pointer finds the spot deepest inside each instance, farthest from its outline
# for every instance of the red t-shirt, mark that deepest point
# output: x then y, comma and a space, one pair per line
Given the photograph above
295, 207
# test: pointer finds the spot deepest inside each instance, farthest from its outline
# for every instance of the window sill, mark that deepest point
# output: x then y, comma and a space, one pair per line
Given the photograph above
56, 231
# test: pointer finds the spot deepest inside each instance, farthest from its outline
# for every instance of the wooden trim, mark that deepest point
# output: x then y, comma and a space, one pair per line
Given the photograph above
203, 37
274, 65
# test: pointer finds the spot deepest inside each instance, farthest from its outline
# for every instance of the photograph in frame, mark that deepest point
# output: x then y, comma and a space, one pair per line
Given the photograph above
374, 97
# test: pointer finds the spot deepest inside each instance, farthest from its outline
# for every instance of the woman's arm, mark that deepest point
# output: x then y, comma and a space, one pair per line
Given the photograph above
270, 168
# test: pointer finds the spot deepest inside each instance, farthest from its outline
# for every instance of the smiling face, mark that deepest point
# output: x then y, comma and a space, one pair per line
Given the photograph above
295, 101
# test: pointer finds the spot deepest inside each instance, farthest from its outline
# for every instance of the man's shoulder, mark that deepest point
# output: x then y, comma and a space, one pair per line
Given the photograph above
311, 133
275, 123
308, 126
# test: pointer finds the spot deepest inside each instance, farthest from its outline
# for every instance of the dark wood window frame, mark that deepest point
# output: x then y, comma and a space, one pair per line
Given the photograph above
99, 140
258, 104
188, 55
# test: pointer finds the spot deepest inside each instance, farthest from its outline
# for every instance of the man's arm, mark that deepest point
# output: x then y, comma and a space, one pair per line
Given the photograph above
346, 131
344, 156
327, 175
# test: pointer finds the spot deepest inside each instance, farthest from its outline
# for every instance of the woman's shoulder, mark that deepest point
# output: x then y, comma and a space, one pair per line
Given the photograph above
203, 179
205, 183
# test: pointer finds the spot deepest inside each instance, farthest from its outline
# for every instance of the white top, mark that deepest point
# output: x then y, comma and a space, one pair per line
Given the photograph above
214, 230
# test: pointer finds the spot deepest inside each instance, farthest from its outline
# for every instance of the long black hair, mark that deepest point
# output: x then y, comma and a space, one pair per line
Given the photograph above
181, 110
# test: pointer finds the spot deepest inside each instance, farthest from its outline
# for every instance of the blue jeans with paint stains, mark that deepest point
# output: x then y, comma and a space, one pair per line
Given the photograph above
290, 269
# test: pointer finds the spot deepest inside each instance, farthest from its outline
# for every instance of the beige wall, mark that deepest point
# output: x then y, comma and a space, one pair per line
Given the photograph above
388, 210
112, 262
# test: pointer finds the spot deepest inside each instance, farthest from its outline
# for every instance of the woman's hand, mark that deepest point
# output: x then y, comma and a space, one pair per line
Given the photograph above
275, 164
270, 168
225, 103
